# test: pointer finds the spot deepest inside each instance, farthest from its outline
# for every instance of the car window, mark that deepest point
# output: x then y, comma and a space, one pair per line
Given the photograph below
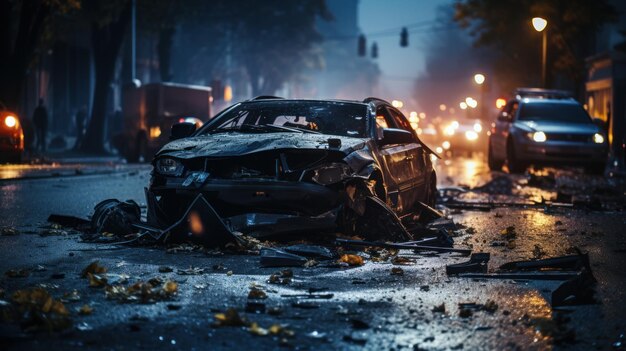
383, 120
557, 112
400, 120
326, 117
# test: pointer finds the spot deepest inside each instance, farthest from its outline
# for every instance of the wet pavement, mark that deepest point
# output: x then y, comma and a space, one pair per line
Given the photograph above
370, 307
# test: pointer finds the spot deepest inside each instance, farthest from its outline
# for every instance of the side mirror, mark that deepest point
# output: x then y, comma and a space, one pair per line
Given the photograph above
396, 136
600, 123
182, 130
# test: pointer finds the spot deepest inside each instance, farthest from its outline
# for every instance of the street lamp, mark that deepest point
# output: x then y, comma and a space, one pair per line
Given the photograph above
479, 79
540, 25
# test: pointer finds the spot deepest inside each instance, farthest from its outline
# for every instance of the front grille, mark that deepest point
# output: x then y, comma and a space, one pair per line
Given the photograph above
576, 138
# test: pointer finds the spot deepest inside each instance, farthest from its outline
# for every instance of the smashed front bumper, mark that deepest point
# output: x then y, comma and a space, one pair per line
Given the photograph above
242, 205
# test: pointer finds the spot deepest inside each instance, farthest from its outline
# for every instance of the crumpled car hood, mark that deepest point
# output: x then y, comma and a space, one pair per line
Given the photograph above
237, 144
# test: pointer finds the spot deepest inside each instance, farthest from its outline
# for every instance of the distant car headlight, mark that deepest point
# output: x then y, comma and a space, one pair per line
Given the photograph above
445, 145
10, 121
449, 130
539, 137
331, 173
478, 127
169, 166
471, 135
598, 138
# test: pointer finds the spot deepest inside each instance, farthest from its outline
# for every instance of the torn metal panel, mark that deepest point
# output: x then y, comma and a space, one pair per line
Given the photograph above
523, 275
572, 262
348, 243
312, 251
271, 257
578, 290
477, 264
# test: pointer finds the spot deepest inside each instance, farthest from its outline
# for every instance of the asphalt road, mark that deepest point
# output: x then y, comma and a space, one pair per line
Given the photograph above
370, 308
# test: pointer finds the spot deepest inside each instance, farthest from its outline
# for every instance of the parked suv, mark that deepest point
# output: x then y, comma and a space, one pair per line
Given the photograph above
546, 127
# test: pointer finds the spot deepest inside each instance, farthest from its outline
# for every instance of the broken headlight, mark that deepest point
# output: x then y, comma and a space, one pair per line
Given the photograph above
169, 167
331, 173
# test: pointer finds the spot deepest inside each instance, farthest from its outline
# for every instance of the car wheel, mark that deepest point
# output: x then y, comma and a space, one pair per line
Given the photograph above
494, 164
515, 165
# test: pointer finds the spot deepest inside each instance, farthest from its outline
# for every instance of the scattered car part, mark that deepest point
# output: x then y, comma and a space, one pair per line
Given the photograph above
114, 216
443, 239
312, 251
573, 262
477, 264
309, 296
426, 213
578, 290
522, 276
271, 257
346, 242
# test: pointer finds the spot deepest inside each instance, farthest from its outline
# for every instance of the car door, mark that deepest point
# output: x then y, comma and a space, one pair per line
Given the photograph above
414, 162
501, 129
396, 174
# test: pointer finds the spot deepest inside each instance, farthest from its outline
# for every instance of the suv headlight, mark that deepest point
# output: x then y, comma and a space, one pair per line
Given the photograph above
331, 173
598, 138
539, 137
169, 166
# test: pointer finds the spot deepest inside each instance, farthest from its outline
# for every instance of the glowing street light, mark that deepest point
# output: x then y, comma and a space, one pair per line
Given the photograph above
397, 103
500, 102
463, 105
471, 102
479, 78
442, 107
540, 25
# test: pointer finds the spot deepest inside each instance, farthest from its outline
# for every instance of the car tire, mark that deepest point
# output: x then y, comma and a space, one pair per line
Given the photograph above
515, 165
492, 162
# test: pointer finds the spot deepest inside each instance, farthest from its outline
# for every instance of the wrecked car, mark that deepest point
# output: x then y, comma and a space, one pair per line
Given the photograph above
271, 165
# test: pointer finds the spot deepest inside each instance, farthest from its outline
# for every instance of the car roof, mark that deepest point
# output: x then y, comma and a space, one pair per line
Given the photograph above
281, 100
528, 100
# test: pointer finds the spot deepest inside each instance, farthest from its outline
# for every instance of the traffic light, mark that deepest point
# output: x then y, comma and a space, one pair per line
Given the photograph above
404, 37
362, 45
374, 50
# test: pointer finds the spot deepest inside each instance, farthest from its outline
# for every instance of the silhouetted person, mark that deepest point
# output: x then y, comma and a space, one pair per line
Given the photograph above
81, 116
40, 119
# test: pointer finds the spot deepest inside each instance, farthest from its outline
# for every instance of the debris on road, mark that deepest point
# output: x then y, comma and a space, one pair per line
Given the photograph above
352, 260
397, 271
272, 257
408, 246
143, 292
477, 264
36, 310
